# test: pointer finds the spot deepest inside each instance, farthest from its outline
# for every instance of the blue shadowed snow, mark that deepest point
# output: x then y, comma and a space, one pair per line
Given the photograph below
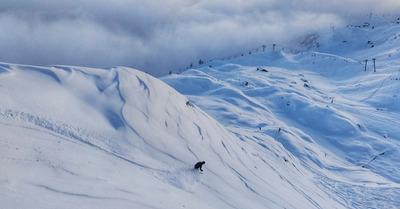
42, 70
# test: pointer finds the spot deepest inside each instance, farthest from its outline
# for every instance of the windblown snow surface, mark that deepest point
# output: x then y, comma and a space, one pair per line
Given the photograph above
309, 130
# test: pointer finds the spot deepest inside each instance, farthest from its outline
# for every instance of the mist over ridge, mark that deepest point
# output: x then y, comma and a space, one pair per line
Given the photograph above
160, 36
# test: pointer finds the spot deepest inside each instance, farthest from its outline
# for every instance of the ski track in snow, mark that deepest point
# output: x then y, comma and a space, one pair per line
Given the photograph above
70, 132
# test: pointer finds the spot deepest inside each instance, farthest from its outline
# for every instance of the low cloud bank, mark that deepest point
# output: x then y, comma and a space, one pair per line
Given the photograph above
161, 35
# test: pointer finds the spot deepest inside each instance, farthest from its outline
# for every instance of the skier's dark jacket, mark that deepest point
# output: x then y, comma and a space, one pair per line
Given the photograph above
199, 165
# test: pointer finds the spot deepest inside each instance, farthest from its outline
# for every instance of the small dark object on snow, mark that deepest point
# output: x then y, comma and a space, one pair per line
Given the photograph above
246, 83
199, 165
264, 70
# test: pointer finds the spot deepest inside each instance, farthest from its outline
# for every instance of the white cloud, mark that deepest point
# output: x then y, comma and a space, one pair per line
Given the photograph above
159, 35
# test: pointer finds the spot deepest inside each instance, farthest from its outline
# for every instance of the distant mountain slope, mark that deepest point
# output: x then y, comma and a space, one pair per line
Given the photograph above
333, 117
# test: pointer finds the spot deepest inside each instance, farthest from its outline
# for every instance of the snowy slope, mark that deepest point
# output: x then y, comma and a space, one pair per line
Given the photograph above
76, 137
312, 130
336, 119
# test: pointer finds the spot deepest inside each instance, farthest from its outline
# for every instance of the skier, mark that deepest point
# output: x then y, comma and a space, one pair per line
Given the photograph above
199, 165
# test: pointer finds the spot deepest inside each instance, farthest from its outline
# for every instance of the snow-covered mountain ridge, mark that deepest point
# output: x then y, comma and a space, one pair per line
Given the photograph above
333, 111
277, 130
120, 138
